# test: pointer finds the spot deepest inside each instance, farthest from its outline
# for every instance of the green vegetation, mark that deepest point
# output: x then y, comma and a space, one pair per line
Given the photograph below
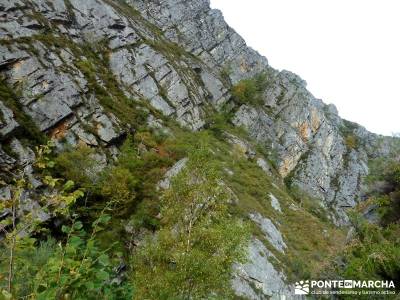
389, 200
38, 268
29, 131
130, 184
374, 252
250, 91
191, 256
351, 142
77, 165
74, 269
301, 226
72, 264
350, 138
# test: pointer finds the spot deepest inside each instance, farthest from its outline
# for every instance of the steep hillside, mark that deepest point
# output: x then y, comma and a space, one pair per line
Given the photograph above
92, 75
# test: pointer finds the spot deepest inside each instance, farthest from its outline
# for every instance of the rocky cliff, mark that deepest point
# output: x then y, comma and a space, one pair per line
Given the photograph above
82, 71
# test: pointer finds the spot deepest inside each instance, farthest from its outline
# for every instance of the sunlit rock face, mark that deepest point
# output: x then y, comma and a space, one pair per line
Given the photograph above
69, 63
306, 135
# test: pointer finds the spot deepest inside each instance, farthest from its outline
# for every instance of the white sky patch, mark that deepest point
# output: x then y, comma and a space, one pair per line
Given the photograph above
347, 51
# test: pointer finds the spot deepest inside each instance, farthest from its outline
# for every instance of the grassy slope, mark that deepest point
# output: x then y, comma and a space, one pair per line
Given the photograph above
310, 238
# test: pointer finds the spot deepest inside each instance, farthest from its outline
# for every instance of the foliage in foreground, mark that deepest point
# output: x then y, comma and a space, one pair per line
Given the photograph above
76, 269
374, 252
41, 267
191, 256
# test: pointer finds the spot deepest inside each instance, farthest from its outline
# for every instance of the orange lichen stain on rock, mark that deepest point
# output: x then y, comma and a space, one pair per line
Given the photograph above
244, 66
304, 131
17, 65
286, 167
315, 120
45, 85
59, 131
82, 143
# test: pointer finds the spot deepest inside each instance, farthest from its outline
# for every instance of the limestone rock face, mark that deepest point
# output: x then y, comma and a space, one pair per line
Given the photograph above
76, 68
175, 170
258, 278
203, 32
309, 139
7, 123
272, 234
53, 88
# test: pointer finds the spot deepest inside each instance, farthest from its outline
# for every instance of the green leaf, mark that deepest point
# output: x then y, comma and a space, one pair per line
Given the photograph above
90, 245
68, 185
70, 249
6, 295
104, 260
79, 194
78, 225
102, 275
75, 241
65, 229
103, 219
89, 285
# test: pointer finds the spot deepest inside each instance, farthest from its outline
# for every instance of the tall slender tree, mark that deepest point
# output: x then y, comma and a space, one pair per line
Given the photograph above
191, 256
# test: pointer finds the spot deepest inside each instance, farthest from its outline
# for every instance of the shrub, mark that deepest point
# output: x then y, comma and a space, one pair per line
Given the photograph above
118, 185
351, 141
250, 91
219, 123
76, 269
29, 129
145, 215
375, 254
78, 166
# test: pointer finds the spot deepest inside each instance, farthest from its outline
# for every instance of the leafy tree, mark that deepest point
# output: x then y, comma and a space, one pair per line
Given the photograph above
73, 268
191, 256
78, 269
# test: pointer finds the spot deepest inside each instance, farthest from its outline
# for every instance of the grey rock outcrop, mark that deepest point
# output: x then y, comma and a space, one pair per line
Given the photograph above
166, 182
258, 278
311, 142
272, 234
7, 121
275, 203
203, 32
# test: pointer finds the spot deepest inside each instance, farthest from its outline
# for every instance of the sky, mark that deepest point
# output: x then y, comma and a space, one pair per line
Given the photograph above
348, 51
